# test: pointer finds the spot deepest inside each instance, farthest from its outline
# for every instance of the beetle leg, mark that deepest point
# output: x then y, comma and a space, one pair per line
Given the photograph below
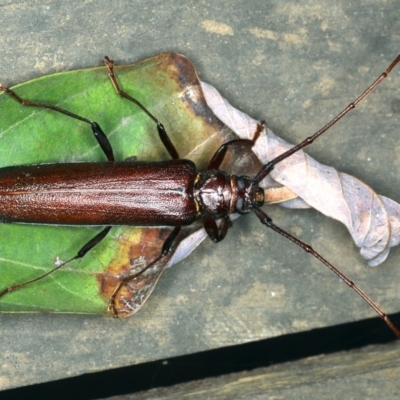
167, 246
84, 249
217, 234
97, 131
160, 127
219, 155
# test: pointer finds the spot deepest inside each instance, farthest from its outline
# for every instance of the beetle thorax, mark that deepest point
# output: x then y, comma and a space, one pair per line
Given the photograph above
219, 194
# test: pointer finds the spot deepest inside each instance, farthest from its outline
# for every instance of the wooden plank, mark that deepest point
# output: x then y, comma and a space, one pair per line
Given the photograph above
368, 373
293, 65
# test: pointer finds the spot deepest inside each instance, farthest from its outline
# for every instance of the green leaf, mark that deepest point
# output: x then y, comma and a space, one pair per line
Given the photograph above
168, 86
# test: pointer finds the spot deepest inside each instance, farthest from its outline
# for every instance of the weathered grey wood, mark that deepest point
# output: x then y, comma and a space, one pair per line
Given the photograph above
294, 65
369, 373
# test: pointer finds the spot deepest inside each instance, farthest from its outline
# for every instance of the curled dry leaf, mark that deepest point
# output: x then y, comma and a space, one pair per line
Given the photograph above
372, 220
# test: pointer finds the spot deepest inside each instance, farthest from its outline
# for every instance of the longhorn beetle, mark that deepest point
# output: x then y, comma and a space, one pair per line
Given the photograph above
160, 193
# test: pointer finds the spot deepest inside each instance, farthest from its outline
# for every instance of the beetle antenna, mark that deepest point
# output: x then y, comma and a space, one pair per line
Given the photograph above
267, 168
267, 221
